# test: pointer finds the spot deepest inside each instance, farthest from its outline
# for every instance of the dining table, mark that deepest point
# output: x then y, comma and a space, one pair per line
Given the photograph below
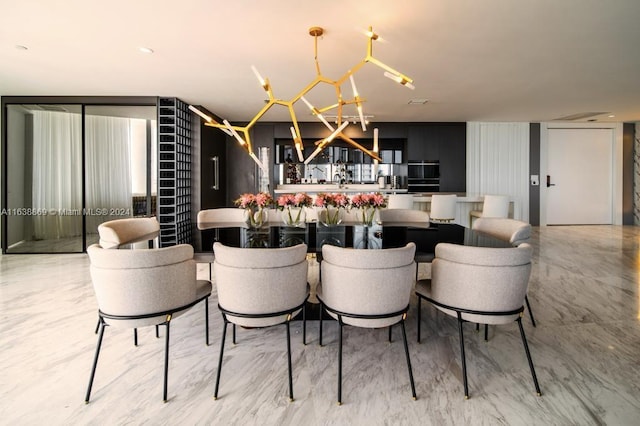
377, 235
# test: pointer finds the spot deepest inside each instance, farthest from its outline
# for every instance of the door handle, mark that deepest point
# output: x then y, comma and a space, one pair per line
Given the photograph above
216, 173
549, 182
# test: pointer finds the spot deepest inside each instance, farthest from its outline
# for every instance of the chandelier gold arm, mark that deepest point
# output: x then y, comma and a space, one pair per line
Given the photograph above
315, 32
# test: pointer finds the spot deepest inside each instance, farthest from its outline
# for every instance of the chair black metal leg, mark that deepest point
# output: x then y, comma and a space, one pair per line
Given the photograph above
206, 319
210, 272
526, 349
304, 324
135, 337
390, 333
320, 327
419, 315
340, 361
224, 335
533, 321
157, 331
97, 326
289, 362
486, 332
477, 327
464, 361
166, 363
101, 327
406, 351
234, 334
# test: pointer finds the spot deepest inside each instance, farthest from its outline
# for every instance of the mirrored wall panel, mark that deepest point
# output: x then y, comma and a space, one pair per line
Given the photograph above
71, 167
44, 178
120, 172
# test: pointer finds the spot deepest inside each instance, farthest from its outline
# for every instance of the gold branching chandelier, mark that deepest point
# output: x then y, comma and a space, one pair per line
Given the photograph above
336, 132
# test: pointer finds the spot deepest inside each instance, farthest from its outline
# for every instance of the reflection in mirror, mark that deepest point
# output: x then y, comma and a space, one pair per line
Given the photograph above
44, 210
120, 164
44, 178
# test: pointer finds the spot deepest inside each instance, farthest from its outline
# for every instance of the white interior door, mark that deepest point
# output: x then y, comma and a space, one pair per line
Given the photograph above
580, 172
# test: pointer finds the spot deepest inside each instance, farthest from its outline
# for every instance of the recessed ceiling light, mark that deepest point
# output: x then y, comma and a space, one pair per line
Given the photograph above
146, 49
418, 101
611, 116
21, 47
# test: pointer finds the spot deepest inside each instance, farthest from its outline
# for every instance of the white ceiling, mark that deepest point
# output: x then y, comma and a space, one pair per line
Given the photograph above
475, 60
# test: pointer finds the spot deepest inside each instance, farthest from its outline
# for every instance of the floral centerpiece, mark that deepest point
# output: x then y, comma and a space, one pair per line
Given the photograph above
367, 204
255, 207
332, 206
293, 208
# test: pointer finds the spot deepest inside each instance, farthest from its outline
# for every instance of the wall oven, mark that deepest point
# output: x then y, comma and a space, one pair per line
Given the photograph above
423, 176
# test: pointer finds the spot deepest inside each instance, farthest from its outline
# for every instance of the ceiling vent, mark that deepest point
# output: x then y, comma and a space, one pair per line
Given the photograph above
580, 116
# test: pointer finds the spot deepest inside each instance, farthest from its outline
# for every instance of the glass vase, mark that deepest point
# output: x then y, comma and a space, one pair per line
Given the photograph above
255, 217
365, 215
331, 216
294, 216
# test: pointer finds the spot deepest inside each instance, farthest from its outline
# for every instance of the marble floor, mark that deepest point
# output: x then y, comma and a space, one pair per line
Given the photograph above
585, 290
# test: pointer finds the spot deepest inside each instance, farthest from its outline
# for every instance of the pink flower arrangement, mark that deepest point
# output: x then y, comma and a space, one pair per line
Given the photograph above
368, 200
294, 200
331, 200
261, 200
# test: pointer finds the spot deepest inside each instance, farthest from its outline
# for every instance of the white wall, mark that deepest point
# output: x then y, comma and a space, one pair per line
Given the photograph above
16, 174
498, 162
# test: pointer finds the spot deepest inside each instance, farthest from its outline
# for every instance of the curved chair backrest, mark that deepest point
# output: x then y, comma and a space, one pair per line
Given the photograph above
514, 231
495, 206
368, 282
400, 201
404, 215
481, 279
443, 207
119, 232
136, 282
260, 281
220, 218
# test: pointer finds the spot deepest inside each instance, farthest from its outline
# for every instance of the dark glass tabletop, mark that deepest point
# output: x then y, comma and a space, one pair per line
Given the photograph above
378, 235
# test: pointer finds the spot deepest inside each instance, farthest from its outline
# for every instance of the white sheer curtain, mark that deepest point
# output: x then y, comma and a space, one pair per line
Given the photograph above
57, 174
498, 162
108, 169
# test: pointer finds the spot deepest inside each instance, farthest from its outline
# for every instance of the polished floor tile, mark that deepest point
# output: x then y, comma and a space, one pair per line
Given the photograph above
584, 292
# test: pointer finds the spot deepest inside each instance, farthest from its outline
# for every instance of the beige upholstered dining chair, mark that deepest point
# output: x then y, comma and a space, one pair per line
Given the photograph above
492, 206
400, 201
367, 288
122, 233
481, 285
513, 231
260, 287
443, 207
216, 219
138, 288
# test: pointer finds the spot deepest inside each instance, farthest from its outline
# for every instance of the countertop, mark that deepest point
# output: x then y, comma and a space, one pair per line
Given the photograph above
348, 188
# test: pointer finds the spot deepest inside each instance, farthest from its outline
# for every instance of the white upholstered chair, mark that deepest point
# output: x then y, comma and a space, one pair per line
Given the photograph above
137, 288
122, 233
481, 285
216, 219
513, 231
367, 288
443, 207
260, 288
403, 216
400, 201
492, 206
